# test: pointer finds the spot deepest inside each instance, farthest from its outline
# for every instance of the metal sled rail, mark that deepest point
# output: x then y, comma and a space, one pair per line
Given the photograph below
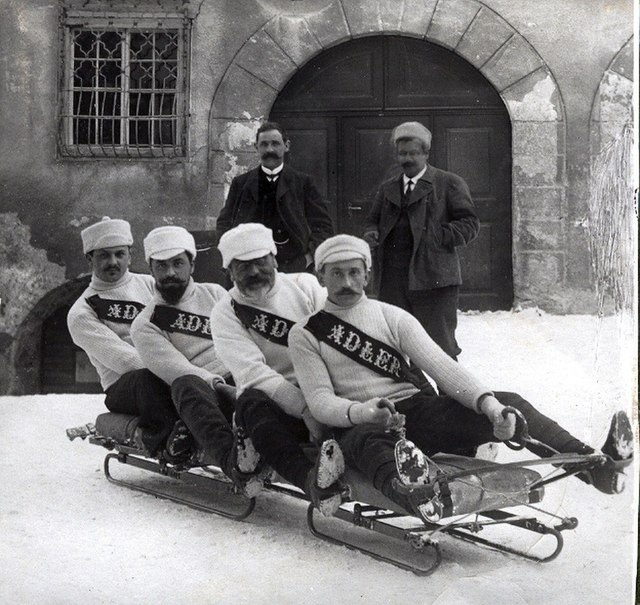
185, 476
417, 537
468, 533
422, 537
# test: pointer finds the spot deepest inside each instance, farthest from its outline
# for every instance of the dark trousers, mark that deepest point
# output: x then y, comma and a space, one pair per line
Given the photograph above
275, 434
436, 310
441, 424
141, 393
207, 416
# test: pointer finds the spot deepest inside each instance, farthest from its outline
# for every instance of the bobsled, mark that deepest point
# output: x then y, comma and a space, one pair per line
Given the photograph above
468, 498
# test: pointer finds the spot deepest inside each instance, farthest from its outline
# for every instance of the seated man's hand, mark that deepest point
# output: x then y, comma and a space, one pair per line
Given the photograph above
503, 428
375, 411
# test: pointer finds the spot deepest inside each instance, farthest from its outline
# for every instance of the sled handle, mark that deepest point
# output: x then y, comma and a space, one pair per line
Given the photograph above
522, 429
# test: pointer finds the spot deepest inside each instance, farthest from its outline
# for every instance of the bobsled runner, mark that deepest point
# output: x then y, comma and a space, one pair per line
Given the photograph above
467, 499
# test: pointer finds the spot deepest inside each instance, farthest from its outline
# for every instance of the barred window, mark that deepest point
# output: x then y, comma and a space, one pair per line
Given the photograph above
124, 90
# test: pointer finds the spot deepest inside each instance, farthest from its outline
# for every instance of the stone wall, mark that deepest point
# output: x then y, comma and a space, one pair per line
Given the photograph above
563, 70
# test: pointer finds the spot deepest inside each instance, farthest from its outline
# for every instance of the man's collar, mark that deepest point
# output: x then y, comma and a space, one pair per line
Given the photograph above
98, 284
273, 172
416, 178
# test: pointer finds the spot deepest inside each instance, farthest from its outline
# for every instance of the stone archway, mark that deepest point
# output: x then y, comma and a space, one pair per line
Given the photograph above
265, 63
612, 107
27, 348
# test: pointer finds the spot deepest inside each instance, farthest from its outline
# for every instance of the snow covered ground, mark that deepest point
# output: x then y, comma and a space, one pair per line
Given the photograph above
69, 536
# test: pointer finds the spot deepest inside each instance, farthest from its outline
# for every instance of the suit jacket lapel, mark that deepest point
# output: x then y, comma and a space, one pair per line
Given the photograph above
283, 182
423, 187
252, 183
394, 192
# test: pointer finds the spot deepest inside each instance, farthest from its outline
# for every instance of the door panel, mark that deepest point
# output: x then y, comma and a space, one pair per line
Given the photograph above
367, 159
313, 150
477, 147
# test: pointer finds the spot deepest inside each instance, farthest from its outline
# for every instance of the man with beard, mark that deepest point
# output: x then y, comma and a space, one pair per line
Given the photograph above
416, 223
281, 198
173, 337
351, 359
100, 322
250, 333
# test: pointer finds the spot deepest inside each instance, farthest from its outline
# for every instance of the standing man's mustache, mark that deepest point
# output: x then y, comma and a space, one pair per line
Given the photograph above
270, 154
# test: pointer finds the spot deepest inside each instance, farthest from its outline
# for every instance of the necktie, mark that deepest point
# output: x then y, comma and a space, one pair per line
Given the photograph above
272, 179
409, 188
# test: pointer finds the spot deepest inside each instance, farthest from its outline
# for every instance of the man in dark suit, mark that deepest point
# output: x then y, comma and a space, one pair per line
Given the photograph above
416, 223
281, 198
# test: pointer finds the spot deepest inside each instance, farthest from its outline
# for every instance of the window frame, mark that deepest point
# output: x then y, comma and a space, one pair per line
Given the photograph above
124, 22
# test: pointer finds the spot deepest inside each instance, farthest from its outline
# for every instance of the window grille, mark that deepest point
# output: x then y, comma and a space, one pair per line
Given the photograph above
124, 87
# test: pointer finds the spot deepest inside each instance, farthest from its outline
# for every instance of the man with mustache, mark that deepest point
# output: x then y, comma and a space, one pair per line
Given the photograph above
250, 333
281, 198
173, 337
100, 323
416, 223
352, 357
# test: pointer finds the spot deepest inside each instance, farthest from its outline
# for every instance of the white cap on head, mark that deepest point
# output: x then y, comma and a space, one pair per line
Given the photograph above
163, 243
107, 233
411, 130
342, 247
246, 242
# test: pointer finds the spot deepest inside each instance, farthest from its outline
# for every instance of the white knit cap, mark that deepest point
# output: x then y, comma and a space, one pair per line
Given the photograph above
411, 130
163, 243
342, 247
246, 242
107, 233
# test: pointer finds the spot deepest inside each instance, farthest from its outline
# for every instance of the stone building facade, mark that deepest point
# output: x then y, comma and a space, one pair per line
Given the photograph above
562, 74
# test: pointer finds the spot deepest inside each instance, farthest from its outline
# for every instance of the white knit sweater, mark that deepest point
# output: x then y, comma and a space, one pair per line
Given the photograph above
170, 355
108, 343
254, 361
331, 381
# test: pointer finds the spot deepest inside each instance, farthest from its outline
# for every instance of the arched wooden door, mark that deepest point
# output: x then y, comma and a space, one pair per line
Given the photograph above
340, 108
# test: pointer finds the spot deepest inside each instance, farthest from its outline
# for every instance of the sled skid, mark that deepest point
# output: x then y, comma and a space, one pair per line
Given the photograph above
380, 520
423, 537
186, 477
469, 533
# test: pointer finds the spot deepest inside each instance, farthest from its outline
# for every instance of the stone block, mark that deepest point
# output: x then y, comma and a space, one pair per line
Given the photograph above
512, 62
535, 98
539, 235
623, 61
374, 16
538, 203
485, 35
579, 270
539, 273
539, 138
241, 95
416, 16
263, 58
329, 25
450, 20
233, 135
535, 171
293, 35
616, 98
